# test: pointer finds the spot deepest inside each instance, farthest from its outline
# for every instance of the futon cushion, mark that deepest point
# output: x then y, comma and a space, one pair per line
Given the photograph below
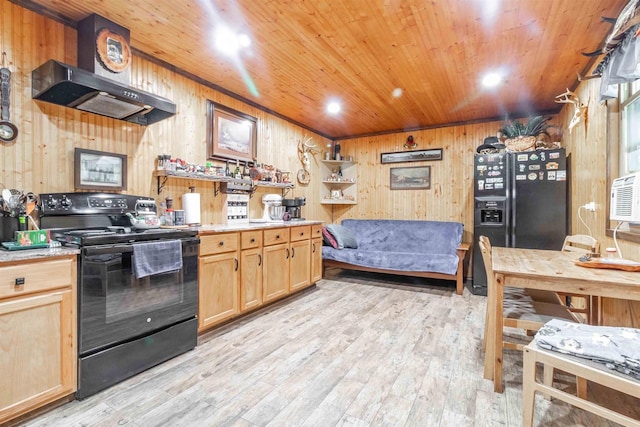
397, 261
343, 235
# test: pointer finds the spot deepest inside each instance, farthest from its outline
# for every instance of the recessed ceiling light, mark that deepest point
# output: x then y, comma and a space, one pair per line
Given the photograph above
229, 42
244, 40
226, 41
333, 107
491, 80
397, 92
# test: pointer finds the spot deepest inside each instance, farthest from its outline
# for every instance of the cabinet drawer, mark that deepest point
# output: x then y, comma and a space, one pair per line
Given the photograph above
218, 243
275, 236
316, 231
300, 233
37, 276
251, 239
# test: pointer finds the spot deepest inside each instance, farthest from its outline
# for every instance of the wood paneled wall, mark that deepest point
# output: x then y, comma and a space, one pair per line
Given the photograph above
587, 146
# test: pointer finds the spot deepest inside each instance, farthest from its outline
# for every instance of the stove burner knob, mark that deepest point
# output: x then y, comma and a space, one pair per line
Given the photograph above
52, 203
66, 202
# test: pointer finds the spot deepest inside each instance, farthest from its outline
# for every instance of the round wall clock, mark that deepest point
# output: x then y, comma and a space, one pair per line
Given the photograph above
113, 51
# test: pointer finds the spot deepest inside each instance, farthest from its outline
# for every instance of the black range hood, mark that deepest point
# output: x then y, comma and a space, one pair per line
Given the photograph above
101, 83
63, 84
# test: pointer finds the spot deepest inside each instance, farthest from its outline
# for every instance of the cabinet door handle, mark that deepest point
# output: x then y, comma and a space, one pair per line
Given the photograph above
293, 252
19, 281
259, 260
237, 263
287, 253
314, 247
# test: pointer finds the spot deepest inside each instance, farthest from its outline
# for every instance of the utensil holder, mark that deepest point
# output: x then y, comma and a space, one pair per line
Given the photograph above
8, 227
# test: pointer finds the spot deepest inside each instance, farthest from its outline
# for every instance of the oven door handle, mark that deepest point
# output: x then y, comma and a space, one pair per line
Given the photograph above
126, 247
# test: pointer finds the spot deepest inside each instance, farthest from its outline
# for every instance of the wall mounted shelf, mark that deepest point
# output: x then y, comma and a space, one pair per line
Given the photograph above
162, 176
339, 176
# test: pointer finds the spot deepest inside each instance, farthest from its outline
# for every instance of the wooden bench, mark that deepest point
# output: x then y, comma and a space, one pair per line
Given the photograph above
585, 370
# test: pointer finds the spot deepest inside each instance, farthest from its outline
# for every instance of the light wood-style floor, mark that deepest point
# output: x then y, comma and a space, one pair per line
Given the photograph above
357, 350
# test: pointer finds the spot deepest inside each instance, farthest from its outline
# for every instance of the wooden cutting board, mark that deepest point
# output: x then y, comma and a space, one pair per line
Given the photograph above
617, 264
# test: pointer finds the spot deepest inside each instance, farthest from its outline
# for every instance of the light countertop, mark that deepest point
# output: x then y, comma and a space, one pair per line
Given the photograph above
226, 228
35, 254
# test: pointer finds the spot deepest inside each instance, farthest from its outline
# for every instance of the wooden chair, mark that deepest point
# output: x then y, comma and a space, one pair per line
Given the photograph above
580, 243
580, 303
584, 370
537, 295
520, 310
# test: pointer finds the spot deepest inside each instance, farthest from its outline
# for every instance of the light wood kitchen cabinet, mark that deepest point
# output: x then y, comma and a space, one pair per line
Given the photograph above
300, 268
300, 265
241, 271
316, 253
275, 269
38, 355
218, 279
250, 270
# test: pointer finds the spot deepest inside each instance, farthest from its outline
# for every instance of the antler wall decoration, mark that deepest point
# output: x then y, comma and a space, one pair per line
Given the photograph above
304, 149
580, 112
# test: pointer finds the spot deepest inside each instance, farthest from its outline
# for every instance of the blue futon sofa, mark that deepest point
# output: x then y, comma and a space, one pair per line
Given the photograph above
431, 249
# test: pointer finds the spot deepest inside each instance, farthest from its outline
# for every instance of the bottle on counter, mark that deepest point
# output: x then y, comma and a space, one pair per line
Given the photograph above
236, 173
245, 171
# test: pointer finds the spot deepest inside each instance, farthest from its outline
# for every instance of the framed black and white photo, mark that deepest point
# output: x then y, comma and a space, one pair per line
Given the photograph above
231, 135
411, 156
410, 178
99, 170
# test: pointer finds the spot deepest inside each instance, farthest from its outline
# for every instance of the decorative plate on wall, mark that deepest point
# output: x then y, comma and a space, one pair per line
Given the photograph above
303, 177
113, 51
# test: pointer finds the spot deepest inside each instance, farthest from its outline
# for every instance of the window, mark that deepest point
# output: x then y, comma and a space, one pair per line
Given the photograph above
629, 130
623, 146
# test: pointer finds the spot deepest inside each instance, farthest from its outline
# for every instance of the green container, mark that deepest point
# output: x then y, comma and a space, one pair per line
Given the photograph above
32, 237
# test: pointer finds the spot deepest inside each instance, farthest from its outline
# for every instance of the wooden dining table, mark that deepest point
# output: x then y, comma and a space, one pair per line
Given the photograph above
548, 270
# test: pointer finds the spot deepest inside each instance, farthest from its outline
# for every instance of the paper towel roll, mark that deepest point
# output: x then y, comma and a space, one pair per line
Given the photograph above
191, 207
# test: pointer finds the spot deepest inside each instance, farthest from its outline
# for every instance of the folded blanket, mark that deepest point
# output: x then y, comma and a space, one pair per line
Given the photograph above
156, 257
616, 347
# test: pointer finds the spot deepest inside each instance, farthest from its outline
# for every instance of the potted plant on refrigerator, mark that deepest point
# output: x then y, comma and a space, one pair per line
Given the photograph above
523, 137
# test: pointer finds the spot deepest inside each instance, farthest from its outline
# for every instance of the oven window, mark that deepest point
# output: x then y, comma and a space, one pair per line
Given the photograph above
127, 296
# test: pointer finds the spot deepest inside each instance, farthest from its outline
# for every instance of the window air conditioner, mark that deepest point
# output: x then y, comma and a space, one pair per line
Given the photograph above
625, 199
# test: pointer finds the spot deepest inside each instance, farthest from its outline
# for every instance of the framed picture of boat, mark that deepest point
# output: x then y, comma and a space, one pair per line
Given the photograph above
410, 178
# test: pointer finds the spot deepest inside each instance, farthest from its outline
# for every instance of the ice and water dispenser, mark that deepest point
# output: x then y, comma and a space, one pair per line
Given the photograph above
489, 212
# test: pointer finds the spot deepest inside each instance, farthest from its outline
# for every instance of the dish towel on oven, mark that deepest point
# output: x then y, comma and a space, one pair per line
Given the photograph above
616, 347
156, 257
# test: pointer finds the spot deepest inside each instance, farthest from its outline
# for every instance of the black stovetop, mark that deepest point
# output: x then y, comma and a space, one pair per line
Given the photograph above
119, 235
87, 219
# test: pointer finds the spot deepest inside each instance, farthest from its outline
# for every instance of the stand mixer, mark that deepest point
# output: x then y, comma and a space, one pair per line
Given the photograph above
273, 209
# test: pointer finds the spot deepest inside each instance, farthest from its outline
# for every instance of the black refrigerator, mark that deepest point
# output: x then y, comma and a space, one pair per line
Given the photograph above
520, 201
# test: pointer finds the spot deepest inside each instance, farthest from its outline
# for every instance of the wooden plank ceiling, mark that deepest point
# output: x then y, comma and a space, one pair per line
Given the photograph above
304, 53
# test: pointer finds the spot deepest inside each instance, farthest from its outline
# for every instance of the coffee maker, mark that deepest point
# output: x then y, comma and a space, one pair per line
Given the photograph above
294, 208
